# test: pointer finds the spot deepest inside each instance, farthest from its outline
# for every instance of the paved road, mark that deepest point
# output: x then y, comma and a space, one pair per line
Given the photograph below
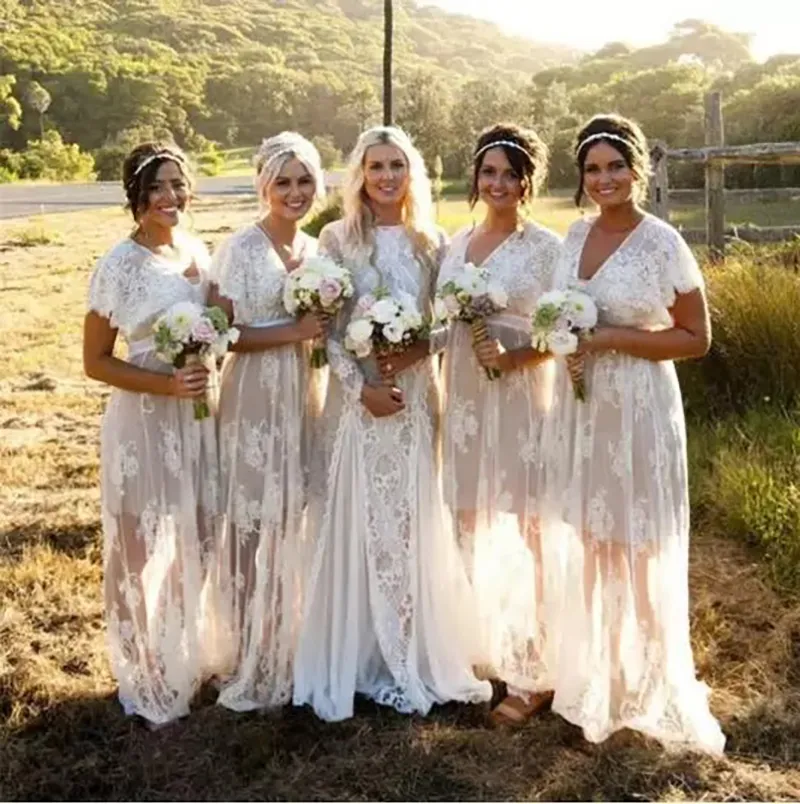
17, 201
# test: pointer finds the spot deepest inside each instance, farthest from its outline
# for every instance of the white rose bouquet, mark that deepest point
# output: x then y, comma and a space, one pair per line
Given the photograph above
318, 285
189, 333
560, 319
472, 296
384, 324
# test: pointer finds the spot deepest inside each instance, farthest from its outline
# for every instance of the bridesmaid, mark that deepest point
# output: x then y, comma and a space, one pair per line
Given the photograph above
387, 612
492, 428
619, 460
269, 397
158, 464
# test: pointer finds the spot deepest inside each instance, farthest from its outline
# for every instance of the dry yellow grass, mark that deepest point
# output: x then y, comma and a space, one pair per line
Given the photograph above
63, 736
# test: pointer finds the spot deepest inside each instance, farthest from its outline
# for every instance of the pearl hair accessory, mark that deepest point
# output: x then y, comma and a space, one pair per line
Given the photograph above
496, 143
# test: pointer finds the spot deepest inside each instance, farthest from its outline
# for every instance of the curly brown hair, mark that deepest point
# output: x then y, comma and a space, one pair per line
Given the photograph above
140, 168
623, 135
528, 157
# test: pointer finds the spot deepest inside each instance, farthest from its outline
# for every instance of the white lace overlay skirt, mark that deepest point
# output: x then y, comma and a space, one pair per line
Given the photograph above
389, 611
620, 504
267, 404
492, 475
159, 503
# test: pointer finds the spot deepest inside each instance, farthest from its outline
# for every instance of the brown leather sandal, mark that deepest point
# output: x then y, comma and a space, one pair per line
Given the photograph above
514, 712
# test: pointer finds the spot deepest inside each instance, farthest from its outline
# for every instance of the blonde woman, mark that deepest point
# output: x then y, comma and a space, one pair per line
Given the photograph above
492, 428
269, 397
388, 603
158, 471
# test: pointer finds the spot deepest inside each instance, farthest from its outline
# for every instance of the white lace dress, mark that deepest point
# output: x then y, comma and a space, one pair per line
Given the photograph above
618, 473
492, 462
268, 401
159, 490
388, 610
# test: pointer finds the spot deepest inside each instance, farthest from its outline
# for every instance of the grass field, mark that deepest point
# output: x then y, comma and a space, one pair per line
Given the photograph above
63, 736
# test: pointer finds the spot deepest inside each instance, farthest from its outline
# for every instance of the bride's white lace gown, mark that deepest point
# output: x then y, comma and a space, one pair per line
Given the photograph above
159, 490
388, 611
267, 404
618, 473
492, 463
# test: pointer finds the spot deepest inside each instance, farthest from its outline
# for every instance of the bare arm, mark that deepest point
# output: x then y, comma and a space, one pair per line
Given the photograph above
259, 339
689, 336
100, 364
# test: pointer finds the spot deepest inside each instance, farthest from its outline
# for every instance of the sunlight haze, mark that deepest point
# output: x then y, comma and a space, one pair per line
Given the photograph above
775, 24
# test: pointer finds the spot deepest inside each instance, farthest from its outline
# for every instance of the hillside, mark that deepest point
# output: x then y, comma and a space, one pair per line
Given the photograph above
234, 70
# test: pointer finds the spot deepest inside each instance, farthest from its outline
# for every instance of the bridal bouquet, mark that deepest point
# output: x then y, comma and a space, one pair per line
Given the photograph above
318, 285
560, 318
187, 334
472, 296
384, 324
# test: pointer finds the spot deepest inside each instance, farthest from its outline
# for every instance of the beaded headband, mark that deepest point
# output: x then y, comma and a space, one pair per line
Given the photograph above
496, 143
152, 158
601, 135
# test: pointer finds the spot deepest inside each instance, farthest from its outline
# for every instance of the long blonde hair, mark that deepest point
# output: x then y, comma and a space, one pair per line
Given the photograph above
358, 218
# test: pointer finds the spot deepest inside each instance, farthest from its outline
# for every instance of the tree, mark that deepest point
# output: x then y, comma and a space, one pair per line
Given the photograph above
38, 98
424, 112
388, 33
10, 110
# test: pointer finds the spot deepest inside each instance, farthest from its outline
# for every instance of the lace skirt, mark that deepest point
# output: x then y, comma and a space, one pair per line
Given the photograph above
389, 610
268, 403
159, 489
618, 498
492, 475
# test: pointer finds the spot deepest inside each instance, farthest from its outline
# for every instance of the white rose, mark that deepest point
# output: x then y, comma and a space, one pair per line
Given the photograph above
497, 295
562, 342
384, 311
309, 280
359, 331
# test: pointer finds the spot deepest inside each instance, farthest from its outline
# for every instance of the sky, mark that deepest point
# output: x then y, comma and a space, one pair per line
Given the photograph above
589, 24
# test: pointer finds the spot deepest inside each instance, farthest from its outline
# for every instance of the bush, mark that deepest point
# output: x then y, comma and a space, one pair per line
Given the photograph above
755, 355
108, 162
52, 158
744, 473
329, 154
330, 212
210, 161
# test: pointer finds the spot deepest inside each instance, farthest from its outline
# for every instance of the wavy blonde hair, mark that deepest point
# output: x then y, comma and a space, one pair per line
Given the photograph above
359, 219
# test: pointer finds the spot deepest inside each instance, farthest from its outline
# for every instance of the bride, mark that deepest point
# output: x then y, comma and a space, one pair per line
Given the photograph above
388, 611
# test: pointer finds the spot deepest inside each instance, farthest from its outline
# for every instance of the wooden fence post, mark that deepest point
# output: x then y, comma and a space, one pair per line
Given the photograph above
715, 179
659, 181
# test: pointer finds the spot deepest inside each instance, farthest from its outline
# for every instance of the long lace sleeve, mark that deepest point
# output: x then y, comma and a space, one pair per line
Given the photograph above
440, 330
342, 363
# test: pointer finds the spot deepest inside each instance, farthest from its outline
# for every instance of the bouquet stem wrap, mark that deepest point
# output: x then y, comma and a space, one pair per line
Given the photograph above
576, 367
319, 353
201, 408
480, 334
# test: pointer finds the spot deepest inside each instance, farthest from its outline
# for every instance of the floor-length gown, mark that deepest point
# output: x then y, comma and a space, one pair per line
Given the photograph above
492, 463
388, 612
159, 490
268, 400
618, 474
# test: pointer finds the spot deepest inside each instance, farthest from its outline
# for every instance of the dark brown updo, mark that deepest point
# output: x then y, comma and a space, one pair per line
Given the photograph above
622, 135
527, 157
140, 168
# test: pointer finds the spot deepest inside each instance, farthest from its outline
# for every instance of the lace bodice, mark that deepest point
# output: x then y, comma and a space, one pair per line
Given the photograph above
132, 286
636, 286
522, 264
249, 272
393, 266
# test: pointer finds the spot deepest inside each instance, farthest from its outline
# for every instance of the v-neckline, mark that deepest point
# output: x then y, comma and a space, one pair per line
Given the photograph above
610, 257
492, 253
179, 267
271, 244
